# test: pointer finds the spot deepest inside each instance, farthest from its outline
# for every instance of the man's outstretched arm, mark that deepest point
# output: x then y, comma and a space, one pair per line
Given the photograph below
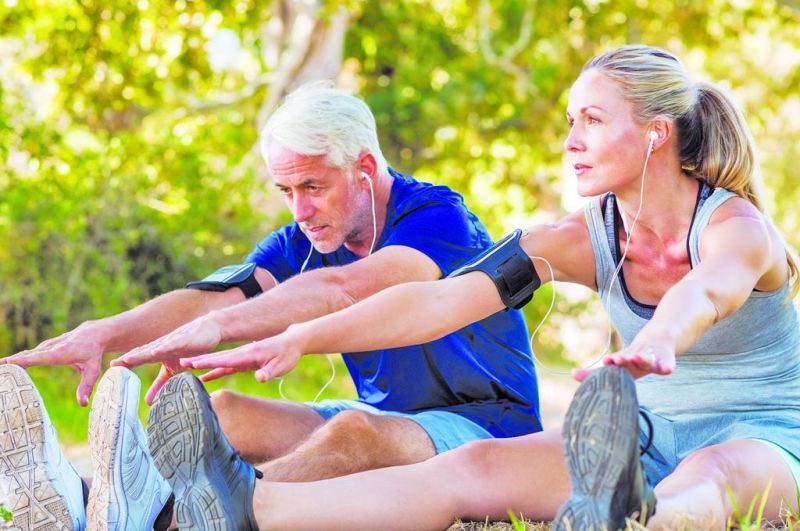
301, 298
84, 346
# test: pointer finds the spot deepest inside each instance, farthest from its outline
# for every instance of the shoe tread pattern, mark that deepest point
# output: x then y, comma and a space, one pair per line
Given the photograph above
179, 441
104, 510
601, 438
28, 487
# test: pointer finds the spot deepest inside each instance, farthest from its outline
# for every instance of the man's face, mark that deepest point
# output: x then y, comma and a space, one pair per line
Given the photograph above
326, 202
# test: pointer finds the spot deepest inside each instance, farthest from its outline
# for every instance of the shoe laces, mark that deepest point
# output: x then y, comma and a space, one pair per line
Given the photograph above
644, 449
237, 456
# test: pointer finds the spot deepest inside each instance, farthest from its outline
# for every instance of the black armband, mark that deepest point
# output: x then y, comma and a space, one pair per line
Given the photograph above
232, 276
509, 267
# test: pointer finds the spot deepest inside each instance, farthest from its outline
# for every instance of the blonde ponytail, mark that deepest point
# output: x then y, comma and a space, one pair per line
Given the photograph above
716, 146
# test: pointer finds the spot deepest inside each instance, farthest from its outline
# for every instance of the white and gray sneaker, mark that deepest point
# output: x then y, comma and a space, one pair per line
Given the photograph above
128, 493
37, 482
213, 485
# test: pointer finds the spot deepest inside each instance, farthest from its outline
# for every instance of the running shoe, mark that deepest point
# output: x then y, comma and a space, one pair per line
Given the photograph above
128, 493
601, 445
213, 485
38, 484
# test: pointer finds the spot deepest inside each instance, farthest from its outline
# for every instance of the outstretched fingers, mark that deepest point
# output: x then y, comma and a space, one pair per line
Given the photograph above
89, 374
163, 376
149, 353
39, 356
215, 374
269, 371
642, 363
244, 358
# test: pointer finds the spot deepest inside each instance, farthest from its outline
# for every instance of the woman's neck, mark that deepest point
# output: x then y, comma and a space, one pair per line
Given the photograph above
667, 203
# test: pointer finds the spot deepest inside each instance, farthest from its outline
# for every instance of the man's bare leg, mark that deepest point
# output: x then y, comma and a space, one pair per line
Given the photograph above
296, 444
483, 478
350, 442
262, 429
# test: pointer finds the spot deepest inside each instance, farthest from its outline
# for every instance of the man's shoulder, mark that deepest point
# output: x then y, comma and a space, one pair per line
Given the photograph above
411, 192
283, 240
285, 234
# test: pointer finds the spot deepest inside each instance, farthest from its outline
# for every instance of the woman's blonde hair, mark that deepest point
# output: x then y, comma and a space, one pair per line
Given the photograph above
716, 146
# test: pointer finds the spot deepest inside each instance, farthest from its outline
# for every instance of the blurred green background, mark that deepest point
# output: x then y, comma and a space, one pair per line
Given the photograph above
128, 159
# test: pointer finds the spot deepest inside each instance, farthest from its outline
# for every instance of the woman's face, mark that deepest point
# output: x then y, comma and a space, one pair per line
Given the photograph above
606, 146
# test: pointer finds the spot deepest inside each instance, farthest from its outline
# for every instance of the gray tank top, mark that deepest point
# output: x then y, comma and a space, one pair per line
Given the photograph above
748, 364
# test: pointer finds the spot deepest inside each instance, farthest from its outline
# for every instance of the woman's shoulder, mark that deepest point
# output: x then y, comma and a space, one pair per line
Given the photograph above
734, 206
750, 229
566, 244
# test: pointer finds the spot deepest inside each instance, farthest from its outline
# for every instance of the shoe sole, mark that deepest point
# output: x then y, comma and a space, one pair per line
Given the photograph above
598, 452
179, 440
116, 398
32, 496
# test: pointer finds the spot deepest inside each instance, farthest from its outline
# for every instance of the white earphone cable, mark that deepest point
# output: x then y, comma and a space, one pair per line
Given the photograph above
629, 237
303, 268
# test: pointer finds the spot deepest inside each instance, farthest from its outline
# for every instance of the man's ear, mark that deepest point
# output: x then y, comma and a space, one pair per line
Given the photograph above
367, 168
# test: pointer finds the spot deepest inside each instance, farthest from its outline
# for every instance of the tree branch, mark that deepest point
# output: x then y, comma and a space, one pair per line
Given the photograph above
505, 62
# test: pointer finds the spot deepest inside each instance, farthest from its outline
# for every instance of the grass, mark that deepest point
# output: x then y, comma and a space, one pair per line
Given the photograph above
751, 520
517, 524
788, 524
520, 525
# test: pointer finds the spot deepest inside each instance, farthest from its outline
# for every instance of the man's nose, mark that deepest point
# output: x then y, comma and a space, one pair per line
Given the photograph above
302, 208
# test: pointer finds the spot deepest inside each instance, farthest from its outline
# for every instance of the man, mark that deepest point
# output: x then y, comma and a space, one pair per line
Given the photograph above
359, 227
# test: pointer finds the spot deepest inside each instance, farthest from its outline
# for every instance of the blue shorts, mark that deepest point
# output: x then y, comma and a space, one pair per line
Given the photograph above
673, 441
446, 430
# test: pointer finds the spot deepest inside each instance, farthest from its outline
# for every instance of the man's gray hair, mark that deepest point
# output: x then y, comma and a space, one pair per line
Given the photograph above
320, 119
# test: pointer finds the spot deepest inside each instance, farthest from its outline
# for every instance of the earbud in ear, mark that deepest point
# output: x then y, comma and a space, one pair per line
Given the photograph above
653, 136
365, 176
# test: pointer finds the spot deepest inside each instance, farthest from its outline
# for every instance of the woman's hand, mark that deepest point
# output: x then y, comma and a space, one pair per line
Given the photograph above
640, 359
269, 358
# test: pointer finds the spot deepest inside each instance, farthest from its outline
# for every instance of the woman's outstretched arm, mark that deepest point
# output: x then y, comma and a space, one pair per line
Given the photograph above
738, 251
407, 314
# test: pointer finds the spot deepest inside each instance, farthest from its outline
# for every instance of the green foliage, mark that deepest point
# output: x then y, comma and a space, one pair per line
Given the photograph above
127, 159
791, 517
749, 521
516, 523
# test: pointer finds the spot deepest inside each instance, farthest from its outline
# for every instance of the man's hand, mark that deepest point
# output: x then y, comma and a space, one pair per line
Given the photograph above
167, 371
196, 337
640, 359
269, 358
81, 348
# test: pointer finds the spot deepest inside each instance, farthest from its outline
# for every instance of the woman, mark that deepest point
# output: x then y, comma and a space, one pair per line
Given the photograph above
702, 301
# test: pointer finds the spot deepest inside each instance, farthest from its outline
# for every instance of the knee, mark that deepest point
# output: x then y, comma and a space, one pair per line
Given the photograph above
222, 400
475, 460
354, 426
351, 438
227, 406
472, 467
715, 468
711, 463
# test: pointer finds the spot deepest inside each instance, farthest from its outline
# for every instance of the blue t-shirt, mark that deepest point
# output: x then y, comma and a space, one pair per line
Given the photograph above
483, 371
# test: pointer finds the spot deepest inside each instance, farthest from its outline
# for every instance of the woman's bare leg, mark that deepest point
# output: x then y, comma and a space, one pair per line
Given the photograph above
483, 478
697, 494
